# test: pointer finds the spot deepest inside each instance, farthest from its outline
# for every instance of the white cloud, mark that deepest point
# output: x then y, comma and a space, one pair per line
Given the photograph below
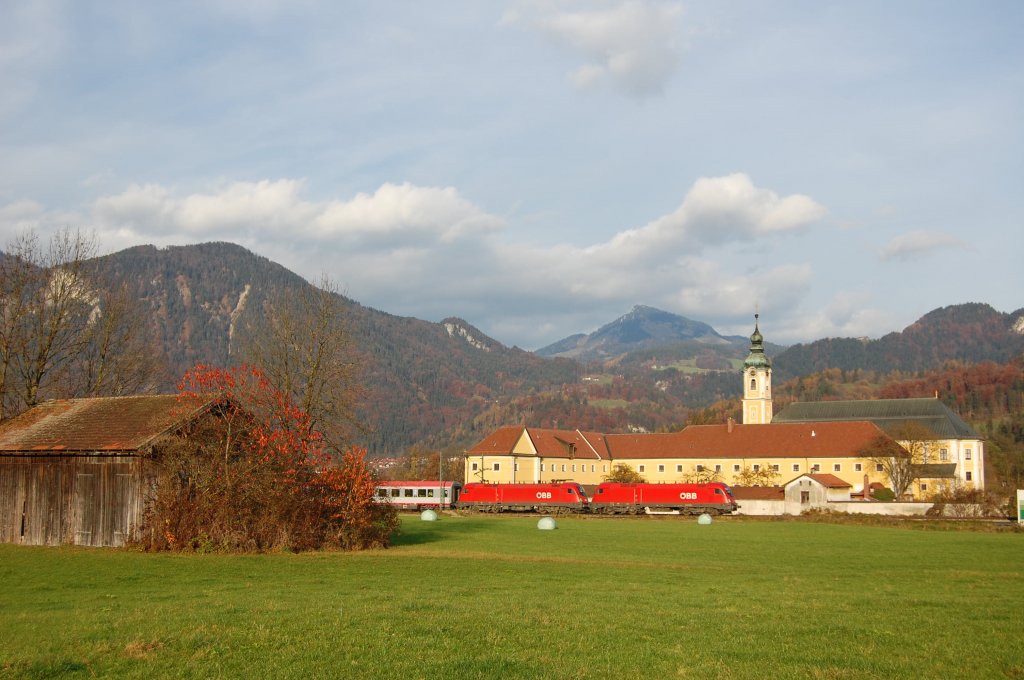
916, 243
717, 210
849, 314
273, 210
430, 252
630, 44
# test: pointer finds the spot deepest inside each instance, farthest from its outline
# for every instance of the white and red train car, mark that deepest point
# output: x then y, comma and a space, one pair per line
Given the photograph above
679, 499
556, 497
418, 495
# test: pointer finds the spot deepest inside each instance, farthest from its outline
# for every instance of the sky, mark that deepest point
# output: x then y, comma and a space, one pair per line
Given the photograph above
539, 168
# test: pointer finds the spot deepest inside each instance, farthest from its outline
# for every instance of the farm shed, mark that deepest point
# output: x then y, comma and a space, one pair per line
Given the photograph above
814, 491
77, 470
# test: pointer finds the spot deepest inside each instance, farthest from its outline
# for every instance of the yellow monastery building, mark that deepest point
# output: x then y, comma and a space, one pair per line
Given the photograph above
804, 438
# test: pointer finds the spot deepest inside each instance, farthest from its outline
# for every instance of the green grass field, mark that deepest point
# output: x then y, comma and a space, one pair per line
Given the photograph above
493, 597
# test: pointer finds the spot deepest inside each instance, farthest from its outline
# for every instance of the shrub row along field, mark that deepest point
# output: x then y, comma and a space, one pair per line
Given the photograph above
487, 597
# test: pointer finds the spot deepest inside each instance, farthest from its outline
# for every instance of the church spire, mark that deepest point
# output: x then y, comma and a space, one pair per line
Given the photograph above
757, 356
757, 381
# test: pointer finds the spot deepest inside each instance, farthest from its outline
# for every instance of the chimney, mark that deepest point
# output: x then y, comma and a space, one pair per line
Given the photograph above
730, 422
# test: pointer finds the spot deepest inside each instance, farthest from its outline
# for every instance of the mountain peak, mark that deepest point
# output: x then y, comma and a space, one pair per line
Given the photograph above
642, 327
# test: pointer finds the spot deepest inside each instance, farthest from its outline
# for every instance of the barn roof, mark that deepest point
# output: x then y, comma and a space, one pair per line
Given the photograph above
95, 425
886, 413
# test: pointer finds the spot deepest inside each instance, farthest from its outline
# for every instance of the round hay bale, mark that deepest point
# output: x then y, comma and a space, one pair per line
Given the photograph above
705, 518
428, 516
546, 524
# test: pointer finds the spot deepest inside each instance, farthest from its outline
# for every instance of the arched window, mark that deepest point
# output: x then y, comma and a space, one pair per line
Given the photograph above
753, 384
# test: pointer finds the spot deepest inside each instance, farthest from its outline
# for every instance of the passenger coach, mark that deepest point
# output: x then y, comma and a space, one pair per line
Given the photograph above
418, 495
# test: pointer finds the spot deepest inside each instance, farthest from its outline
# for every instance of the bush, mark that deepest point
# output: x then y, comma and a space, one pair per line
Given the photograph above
249, 474
963, 503
883, 495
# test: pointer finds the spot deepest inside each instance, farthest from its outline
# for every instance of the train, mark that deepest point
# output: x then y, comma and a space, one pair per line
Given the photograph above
418, 495
608, 498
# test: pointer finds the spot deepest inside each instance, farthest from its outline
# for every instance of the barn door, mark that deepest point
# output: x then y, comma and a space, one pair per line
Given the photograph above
123, 507
84, 519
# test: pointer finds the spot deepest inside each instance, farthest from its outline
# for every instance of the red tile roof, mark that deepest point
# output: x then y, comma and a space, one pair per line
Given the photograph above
98, 425
828, 480
566, 444
549, 443
780, 440
758, 493
499, 442
633, 446
788, 440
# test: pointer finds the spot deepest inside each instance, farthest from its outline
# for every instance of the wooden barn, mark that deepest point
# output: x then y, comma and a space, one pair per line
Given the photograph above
77, 470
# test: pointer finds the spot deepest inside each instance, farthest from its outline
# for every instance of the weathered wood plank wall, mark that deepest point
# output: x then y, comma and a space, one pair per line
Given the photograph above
84, 500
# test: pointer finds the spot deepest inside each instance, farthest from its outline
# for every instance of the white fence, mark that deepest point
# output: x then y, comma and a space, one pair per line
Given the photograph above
780, 507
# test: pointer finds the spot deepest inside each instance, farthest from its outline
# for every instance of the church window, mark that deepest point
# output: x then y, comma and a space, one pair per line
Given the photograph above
967, 454
967, 475
943, 455
753, 384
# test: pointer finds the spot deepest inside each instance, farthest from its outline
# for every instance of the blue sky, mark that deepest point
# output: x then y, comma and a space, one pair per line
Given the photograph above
538, 168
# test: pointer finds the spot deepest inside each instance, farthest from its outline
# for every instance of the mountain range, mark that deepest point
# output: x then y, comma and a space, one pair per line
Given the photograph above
446, 383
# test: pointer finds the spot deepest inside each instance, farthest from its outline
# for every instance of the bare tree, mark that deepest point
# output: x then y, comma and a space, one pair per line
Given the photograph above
759, 475
117, 355
303, 345
900, 453
49, 314
62, 334
623, 473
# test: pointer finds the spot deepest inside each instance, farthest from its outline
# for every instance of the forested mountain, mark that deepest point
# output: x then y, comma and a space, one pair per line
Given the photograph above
421, 377
969, 333
445, 385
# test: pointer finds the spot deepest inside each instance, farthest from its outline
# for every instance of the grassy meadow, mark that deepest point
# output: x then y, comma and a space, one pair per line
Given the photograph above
493, 597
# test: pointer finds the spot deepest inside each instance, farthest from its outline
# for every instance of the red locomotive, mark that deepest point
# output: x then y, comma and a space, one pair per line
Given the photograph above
560, 497
678, 499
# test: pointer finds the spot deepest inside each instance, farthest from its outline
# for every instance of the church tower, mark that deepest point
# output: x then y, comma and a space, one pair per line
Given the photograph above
757, 382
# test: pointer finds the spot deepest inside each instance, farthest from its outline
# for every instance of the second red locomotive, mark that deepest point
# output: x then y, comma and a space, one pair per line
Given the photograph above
681, 499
